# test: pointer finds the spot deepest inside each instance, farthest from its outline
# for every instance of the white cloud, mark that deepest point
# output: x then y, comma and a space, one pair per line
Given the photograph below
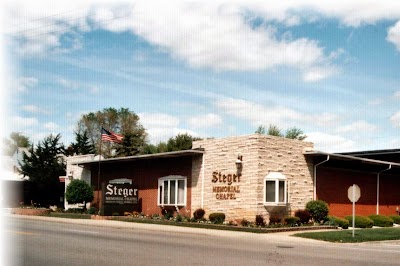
34, 109
161, 127
396, 95
24, 83
51, 126
393, 35
74, 85
205, 121
281, 116
357, 127
158, 120
395, 119
214, 35
377, 101
19, 123
330, 143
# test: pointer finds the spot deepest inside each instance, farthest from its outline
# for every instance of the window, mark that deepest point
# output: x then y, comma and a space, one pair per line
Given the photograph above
172, 191
275, 187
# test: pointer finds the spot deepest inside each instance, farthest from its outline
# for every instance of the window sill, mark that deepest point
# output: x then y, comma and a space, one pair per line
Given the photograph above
273, 204
171, 205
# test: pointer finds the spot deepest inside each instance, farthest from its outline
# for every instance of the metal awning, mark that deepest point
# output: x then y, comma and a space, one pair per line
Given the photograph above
173, 154
349, 162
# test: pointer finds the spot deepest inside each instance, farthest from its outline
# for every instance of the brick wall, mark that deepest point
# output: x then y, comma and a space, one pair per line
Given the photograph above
332, 186
145, 175
261, 154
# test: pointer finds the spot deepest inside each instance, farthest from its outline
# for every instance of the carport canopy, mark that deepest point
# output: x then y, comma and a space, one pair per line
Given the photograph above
348, 162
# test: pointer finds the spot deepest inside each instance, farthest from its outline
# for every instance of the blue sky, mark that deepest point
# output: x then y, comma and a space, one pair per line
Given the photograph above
212, 69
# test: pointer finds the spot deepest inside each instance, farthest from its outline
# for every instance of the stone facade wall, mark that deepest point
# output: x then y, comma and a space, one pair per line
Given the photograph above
243, 198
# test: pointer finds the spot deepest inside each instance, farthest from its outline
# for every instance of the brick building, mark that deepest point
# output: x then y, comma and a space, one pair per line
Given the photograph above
248, 175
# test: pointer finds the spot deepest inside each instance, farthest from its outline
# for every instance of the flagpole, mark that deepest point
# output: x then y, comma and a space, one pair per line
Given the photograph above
98, 177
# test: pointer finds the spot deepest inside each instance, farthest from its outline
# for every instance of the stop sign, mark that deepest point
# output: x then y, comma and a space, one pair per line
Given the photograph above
357, 193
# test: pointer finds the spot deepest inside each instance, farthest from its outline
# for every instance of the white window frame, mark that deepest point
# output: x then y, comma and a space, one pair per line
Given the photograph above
276, 177
160, 195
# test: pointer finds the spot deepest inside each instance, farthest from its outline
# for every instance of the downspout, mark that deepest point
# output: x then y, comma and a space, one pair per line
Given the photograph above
315, 176
202, 181
377, 188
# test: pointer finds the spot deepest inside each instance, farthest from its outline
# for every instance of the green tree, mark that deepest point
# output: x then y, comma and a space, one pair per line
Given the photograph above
260, 130
78, 191
16, 140
82, 144
295, 133
132, 144
180, 142
121, 121
274, 130
43, 167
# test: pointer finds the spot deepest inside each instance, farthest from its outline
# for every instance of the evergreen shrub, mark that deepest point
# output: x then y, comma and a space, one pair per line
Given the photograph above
360, 221
381, 220
337, 221
395, 218
318, 210
217, 217
291, 220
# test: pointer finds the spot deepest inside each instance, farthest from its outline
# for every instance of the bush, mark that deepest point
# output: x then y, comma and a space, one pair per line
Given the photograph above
78, 191
395, 218
303, 215
337, 221
381, 220
291, 220
178, 218
360, 221
244, 222
274, 220
168, 214
260, 220
217, 217
199, 214
318, 210
91, 210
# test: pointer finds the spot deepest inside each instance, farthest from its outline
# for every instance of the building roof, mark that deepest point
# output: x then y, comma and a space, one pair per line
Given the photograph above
350, 162
372, 152
173, 154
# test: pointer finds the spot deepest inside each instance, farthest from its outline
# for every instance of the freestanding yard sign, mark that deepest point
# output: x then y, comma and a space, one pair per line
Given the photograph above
354, 194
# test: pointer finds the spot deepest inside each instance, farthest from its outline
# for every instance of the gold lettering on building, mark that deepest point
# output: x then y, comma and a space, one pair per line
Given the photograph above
227, 191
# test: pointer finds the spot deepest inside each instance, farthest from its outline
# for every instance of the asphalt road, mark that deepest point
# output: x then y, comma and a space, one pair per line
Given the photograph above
60, 242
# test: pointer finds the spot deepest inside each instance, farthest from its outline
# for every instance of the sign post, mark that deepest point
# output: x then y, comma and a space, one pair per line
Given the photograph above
354, 194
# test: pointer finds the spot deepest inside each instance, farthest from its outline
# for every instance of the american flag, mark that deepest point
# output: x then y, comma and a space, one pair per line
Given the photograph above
110, 136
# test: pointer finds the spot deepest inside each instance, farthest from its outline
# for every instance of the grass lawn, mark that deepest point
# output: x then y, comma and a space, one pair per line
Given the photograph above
360, 235
69, 215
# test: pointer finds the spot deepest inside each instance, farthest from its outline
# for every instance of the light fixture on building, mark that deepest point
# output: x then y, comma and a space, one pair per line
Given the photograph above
239, 162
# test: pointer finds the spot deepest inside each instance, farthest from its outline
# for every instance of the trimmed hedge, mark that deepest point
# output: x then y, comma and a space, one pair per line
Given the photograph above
303, 215
217, 217
395, 218
291, 220
360, 221
199, 214
341, 222
381, 220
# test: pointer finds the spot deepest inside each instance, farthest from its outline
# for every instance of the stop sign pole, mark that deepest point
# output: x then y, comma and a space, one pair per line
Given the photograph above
354, 194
